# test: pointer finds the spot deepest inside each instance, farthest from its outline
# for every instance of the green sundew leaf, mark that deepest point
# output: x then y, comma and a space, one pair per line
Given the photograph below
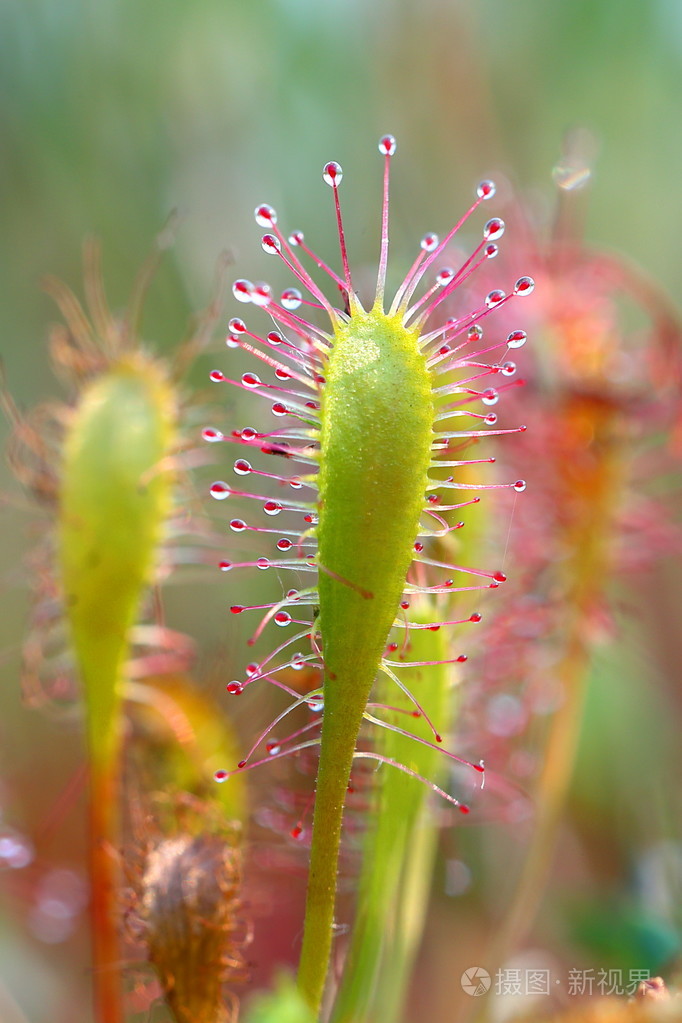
400, 848
114, 501
284, 1005
375, 452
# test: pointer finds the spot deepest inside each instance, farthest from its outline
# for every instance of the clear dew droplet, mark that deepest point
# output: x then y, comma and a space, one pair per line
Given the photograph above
275, 338
272, 507
291, 298
236, 325
273, 748
296, 238
509, 368
316, 703
270, 244
524, 286
517, 339
486, 189
429, 242
444, 276
237, 525
241, 289
220, 490
251, 380
490, 397
265, 215
242, 467
490, 419
235, 687
494, 229
475, 333
519, 486
282, 618
261, 294
494, 298
490, 251
232, 341
211, 435
332, 173
387, 145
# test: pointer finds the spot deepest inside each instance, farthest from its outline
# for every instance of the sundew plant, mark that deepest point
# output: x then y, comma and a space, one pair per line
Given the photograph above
105, 466
376, 409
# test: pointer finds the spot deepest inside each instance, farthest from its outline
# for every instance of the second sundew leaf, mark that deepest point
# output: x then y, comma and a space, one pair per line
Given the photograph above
114, 501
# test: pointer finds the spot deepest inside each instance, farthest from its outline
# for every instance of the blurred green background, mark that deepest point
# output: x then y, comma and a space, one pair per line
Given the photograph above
115, 112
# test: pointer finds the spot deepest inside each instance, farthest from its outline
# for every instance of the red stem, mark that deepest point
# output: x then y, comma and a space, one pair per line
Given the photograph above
104, 882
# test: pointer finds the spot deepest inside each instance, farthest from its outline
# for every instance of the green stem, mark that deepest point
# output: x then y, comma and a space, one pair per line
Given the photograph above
340, 729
